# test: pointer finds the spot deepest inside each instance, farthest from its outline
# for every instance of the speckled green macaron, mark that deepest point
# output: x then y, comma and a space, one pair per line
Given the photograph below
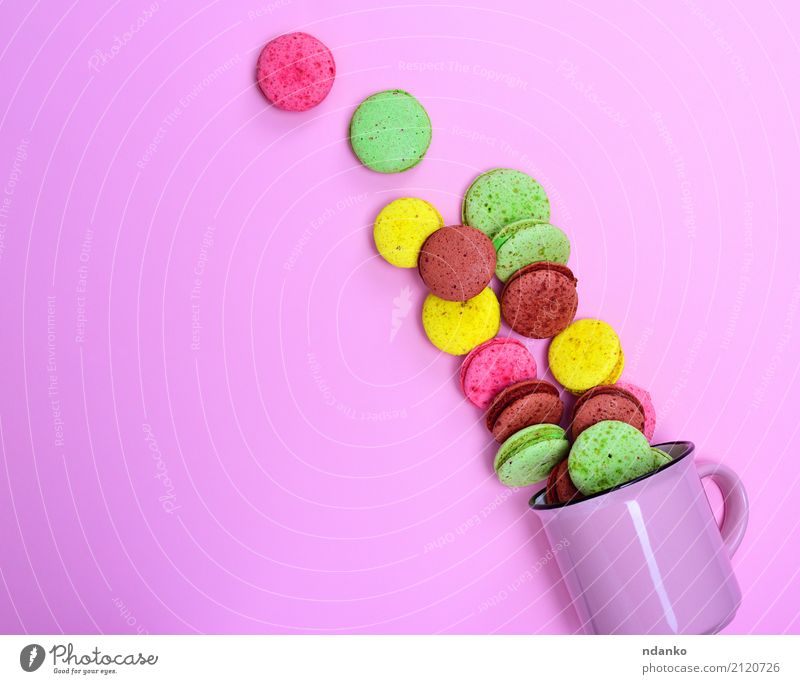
502, 196
608, 454
529, 455
661, 457
525, 242
390, 131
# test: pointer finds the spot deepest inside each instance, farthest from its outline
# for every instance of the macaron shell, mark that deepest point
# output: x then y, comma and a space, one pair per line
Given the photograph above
502, 196
606, 402
560, 488
507, 231
647, 405
533, 434
565, 487
661, 457
521, 405
528, 242
402, 227
586, 354
458, 327
493, 366
608, 454
295, 71
457, 262
540, 300
390, 131
616, 372
550, 495
528, 456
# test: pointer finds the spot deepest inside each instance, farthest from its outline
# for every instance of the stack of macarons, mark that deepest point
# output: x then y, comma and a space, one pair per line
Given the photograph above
505, 232
455, 262
519, 414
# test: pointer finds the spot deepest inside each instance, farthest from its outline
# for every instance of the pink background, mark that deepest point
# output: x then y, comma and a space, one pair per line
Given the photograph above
304, 461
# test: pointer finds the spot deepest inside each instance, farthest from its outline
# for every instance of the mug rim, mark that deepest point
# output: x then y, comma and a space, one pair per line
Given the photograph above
687, 446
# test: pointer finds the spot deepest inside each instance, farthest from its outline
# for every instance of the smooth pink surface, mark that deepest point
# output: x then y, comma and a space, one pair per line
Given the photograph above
492, 367
649, 558
254, 434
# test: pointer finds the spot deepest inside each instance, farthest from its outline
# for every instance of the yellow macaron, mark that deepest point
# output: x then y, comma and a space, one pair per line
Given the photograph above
458, 327
401, 228
586, 354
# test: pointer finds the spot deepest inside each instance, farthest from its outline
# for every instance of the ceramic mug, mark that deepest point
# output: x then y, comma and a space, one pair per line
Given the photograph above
648, 556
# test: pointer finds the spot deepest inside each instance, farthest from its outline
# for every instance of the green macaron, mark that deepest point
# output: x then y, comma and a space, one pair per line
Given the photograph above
661, 457
529, 455
608, 454
502, 196
390, 131
525, 242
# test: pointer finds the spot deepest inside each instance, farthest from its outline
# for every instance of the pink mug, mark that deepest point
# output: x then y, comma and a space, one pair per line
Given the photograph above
648, 557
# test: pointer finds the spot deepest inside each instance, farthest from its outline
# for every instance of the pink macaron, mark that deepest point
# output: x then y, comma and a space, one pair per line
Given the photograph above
493, 366
647, 404
295, 71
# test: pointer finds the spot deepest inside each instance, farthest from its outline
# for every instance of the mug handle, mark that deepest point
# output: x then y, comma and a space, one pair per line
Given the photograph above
736, 508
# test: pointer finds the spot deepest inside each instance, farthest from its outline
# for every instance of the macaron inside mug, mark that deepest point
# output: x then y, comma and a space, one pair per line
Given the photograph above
608, 454
560, 487
660, 456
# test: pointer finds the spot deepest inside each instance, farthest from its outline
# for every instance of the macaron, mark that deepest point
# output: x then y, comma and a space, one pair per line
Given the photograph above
390, 131
608, 454
458, 327
606, 402
457, 262
540, 299
647, 405
529, 455
586, 354
560, 487
524, 242
661, 457
525, 403
502, 196
401, 228
493, 365
295, 71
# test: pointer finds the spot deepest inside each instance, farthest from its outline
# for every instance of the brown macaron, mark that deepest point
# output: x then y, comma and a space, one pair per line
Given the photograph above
560, 488
528, 402
540, 300
606, 402
457, 262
